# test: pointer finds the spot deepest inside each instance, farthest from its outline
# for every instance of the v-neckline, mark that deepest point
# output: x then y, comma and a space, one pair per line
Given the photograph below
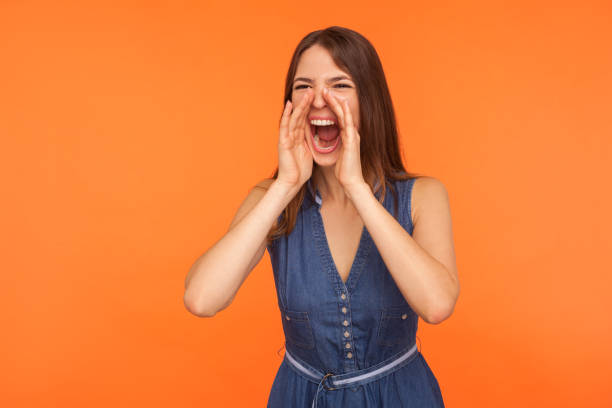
326, 255
333, 261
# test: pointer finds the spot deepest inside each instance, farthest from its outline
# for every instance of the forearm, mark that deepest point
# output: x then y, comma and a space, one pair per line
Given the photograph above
217, 275
424, 282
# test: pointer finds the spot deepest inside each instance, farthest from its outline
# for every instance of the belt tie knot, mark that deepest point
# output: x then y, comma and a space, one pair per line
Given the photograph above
322, 384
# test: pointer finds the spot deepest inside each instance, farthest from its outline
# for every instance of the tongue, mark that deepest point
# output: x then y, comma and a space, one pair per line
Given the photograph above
328, 132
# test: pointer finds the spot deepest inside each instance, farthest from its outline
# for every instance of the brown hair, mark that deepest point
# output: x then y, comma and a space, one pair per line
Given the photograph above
379, 146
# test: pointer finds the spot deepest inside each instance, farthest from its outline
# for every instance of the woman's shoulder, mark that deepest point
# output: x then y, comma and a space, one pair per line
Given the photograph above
416, 191
253, 196
264, 184
419, 181
405, 183
425, 190
259, 190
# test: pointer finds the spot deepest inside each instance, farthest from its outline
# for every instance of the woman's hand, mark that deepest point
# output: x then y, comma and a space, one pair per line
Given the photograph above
348, 166
294, 156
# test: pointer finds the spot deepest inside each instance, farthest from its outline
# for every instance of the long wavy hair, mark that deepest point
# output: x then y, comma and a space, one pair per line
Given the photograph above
379, 145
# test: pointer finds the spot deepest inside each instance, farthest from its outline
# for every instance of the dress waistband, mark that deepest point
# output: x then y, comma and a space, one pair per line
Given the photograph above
354, 378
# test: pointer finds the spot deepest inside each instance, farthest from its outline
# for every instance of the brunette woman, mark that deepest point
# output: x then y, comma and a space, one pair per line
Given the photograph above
360, 248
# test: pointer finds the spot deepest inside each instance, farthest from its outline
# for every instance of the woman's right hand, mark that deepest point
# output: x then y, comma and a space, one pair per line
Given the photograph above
294, 155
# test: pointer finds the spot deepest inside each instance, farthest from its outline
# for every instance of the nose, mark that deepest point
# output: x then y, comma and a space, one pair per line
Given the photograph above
319, 100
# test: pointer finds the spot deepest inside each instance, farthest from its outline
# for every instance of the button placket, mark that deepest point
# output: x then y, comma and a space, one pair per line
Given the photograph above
346, 332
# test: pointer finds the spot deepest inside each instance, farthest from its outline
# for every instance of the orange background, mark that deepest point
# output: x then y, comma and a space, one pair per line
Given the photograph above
131, 132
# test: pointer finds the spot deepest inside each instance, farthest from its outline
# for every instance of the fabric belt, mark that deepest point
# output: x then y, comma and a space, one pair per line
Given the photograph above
354, 378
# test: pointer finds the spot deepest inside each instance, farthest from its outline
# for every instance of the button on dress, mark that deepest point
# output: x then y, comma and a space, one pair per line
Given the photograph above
339, 327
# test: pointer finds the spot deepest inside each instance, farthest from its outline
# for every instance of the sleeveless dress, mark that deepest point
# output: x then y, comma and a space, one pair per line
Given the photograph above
340, 328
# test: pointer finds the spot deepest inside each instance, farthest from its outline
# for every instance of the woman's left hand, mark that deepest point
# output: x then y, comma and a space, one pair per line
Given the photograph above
348, 167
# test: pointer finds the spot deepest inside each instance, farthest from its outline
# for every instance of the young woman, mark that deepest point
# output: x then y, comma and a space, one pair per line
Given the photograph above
354, 266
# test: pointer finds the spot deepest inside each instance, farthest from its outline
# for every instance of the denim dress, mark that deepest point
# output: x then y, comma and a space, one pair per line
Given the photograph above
361, 333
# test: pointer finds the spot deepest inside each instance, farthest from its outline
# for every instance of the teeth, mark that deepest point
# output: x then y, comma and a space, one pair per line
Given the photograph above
318, 122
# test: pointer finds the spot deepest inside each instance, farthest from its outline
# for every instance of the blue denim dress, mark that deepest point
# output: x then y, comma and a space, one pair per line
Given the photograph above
362, 331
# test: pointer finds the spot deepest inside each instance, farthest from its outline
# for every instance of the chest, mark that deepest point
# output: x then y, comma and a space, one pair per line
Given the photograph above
343, 233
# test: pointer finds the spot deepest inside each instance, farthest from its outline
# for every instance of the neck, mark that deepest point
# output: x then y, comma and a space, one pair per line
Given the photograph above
330, 189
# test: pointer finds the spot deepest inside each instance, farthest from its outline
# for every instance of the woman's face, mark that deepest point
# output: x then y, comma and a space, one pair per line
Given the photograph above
316, 70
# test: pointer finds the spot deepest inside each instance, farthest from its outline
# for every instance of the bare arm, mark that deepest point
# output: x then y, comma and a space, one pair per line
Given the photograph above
215, 277
422, 265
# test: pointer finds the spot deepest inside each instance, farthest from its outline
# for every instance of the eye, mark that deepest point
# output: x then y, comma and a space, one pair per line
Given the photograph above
343, 85
300, 86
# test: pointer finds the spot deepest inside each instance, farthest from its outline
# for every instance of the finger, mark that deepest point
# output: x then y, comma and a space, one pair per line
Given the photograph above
284, 136
348, 116
284, 122
300, 119
333, 103
307, 100
297, 113
349, 131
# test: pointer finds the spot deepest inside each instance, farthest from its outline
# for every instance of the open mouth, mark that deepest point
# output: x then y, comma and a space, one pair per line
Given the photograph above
325, 138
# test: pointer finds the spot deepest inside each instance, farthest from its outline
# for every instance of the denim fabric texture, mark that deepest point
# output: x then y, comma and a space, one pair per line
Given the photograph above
341, 329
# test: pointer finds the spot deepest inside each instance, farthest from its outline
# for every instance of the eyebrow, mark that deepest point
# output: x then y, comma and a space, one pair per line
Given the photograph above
330, 80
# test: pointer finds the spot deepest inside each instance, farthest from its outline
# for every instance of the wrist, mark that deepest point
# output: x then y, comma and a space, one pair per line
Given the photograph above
286, 189
358, 190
